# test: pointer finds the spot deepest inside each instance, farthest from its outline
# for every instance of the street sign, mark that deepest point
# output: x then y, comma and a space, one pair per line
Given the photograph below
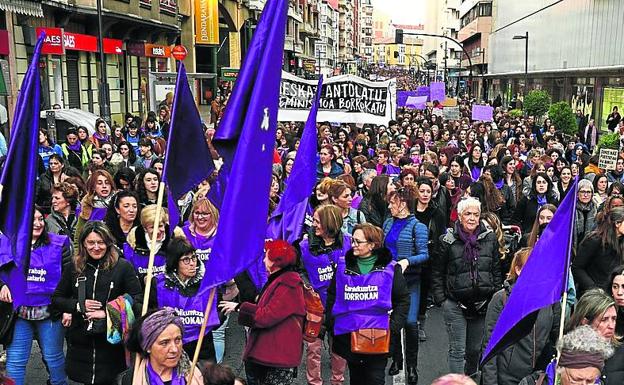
179, 52
229, 74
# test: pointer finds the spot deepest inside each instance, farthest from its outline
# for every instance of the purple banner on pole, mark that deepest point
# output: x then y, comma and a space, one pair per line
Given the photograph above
417, 102
423, 91
483, 113
437, 91
402, 97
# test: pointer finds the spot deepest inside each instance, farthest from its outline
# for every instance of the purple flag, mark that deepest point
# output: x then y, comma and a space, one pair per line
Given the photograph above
188, 161
17, 184
251, 120
483, 113
417, 102
402, 97
542, 282
423, 91
438, 91
228, 133
287, 220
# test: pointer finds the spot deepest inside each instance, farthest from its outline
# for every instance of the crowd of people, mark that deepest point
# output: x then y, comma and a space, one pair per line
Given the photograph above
420, 213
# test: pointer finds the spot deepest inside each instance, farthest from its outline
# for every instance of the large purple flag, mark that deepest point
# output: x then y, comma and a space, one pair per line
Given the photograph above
542, 282
17, 184
287, 220
248, 85
251, 120
188, 161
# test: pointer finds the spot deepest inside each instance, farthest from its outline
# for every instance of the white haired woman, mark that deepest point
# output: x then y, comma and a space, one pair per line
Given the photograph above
466, 273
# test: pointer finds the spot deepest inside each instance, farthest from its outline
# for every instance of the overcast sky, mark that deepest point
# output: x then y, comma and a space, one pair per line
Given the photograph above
403, 11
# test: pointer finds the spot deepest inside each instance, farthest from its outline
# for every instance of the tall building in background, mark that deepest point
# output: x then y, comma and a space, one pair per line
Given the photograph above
346, 32
475, 21
382, 25
365, 31
442, 18
326, 48
574, 53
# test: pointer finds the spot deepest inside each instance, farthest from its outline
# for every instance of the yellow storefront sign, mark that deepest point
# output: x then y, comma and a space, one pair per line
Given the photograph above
207, 22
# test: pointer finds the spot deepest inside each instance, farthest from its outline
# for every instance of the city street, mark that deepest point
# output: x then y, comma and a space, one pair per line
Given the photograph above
432, 355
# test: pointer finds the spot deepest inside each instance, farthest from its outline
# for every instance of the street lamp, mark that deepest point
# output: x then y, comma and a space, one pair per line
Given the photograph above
525, 37
481, 52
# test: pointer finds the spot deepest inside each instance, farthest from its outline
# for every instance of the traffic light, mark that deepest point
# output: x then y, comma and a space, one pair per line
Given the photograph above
398, 37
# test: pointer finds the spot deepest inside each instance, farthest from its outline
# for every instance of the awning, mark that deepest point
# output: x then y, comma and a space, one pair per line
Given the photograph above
24, 7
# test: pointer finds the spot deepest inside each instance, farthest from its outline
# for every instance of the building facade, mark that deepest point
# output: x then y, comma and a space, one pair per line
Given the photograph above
365, 31
574, 52
475, 17
442, 18
326, 48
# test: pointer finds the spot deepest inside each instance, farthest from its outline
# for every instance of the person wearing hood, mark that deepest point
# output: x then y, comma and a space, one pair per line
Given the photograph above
137, 246
530, 353
180, 288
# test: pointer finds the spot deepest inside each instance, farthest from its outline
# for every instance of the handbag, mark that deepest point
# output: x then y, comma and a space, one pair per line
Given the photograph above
370, 341
7, 323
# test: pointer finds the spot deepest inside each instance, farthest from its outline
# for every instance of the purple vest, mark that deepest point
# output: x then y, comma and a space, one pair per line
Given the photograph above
190, 309
320, 267
44, 272
363, 301
202, 244
140, 261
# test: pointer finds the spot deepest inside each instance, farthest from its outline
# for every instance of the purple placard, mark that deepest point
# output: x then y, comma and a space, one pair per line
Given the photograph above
402, 97
423, 91
416, 102
482, 113
437, 91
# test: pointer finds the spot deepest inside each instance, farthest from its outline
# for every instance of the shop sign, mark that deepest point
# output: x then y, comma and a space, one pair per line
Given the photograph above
207, 22
53, 43
179, 52
155, 50
113, 46
4, 42
229, 74
309, 65
80, 42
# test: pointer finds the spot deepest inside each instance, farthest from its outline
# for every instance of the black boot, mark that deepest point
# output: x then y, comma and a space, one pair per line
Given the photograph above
411, 353
396, 350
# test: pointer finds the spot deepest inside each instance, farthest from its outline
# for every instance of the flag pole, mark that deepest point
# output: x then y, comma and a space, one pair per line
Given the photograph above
152, 247
202, 331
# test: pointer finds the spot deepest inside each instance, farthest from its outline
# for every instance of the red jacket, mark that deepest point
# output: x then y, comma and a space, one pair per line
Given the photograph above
276, 334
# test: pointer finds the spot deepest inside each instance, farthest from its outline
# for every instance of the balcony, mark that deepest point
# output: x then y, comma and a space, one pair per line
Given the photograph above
310, 31
256, 5
298, 47
289, 43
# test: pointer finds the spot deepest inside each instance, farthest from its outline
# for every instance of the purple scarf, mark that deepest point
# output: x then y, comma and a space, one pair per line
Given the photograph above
102, 138
154, 378
499, 184
475, 173
75, 146
471, 249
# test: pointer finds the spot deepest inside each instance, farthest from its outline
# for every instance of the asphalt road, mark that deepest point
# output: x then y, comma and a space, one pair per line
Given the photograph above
432, 356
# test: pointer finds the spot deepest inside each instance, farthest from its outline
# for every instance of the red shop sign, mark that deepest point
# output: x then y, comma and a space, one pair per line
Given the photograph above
53, 43
113, 46
80, 42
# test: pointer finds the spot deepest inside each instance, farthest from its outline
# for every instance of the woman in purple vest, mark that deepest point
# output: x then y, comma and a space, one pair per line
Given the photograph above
367, 291
321, 250
100, 188
37, 318
137, 246
96, 276
202, 227
407, 239
180, 288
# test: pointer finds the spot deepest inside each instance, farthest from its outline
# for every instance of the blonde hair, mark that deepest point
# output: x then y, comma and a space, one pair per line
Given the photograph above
148, 216
330, 217
205, 205
518, 261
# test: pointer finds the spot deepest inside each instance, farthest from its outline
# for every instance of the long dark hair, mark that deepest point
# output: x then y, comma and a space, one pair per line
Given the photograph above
112, 253
536, 231
378, 192
140, 185
112, 218
606, 231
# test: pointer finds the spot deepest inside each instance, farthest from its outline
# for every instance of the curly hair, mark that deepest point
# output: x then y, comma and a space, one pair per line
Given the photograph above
585, 339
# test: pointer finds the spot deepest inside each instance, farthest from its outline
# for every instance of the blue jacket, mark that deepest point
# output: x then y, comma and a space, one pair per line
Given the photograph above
335, 171
412, 243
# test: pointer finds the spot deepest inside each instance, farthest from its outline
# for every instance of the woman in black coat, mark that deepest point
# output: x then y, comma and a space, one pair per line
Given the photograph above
526, 209
374, 206
96, 277
613, 372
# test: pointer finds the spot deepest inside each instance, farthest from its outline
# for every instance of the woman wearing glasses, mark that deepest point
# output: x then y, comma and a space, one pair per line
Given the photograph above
407, 240
600, 252
137, 246
180, 288
202, 227
367, 292
96, 277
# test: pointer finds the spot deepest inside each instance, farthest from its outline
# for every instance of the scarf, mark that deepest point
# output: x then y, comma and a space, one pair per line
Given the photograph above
154, 378
475, 173
541, 200
74, 147
155, 324
499, 184
102, 138
471, 249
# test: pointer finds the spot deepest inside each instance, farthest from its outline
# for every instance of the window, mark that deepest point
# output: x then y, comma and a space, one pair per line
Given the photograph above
485, 9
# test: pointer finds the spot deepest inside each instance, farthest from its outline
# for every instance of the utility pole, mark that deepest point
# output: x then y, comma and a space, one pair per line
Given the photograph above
104, 102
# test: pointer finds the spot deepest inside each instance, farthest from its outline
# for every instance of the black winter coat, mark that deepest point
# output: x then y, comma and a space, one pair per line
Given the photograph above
526, 212
593, 264
613, 372
451, 273
400, 304
529, 354
375, 214
91, 359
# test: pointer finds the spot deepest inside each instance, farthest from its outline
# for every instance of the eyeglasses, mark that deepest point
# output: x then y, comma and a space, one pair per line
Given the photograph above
189, 259
200, 215
585, 192
357, 242
95, 243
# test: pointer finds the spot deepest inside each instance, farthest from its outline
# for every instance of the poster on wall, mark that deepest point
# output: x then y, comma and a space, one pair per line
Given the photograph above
344, 99
612, 97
